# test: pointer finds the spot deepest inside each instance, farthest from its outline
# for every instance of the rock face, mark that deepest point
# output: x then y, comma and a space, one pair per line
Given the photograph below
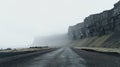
77, 31
97, 24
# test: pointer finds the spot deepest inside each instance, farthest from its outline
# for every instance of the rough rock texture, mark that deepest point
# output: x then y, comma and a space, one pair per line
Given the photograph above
100, 24
77, 31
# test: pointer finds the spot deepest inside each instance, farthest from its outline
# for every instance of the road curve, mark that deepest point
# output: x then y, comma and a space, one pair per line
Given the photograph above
66, 57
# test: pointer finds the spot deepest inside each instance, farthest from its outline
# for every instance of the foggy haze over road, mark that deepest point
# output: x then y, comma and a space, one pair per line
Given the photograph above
61, 40
21, 21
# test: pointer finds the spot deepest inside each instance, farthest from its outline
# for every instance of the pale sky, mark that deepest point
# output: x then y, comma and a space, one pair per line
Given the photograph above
22, 20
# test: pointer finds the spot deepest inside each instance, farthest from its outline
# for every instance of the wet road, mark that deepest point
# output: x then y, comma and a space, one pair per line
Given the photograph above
95, 59
66, 57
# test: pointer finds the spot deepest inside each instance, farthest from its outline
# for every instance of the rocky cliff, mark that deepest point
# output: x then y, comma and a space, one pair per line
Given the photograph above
95, 26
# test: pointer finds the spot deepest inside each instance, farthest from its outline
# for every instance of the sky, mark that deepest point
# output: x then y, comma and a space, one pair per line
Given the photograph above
23, 20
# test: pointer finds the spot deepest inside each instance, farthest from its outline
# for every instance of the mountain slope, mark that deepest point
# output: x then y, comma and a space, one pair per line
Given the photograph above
98, 30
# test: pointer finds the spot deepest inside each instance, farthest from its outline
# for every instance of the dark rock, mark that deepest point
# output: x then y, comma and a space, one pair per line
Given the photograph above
77, 31
98, 24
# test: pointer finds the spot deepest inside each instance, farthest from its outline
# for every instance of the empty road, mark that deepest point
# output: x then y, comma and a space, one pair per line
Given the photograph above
66, 57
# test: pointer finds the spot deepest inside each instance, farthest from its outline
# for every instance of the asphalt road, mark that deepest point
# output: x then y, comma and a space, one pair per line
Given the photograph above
66, 57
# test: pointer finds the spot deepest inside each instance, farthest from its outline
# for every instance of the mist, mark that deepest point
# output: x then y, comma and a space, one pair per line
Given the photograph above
61, 40
22, 21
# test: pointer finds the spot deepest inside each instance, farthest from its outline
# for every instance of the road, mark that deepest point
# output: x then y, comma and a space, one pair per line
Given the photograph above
66, 57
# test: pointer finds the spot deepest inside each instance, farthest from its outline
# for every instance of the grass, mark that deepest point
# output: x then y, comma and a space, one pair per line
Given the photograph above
116, 50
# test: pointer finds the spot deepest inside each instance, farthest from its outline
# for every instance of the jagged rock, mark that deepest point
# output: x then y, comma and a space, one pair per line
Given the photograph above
97, 24
116, 16
77, 31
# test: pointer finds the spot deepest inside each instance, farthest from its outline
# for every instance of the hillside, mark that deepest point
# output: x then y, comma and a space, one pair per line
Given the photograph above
98, 30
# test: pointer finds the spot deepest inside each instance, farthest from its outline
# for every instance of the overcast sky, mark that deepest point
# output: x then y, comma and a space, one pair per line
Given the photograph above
22, 20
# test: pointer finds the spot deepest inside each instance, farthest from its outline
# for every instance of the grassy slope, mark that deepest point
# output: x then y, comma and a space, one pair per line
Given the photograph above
110, 41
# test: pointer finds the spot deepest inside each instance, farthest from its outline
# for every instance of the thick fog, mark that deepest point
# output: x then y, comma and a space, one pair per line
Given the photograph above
22, 21
60, 40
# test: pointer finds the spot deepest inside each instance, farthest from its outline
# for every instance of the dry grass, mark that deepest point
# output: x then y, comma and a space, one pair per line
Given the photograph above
96, 43
21, 50
91, 41
101, 49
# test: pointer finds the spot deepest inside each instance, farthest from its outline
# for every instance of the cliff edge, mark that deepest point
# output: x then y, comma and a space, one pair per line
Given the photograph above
98, 30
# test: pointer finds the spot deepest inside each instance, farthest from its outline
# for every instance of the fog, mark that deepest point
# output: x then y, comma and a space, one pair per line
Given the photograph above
22, 21
59, 40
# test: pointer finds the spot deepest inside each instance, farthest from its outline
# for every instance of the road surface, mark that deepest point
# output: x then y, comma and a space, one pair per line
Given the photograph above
66, 57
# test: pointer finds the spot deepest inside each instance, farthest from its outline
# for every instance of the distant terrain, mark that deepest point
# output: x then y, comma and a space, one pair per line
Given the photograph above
52, 41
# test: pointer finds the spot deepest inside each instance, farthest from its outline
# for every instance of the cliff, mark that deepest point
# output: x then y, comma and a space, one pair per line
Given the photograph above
98, 30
